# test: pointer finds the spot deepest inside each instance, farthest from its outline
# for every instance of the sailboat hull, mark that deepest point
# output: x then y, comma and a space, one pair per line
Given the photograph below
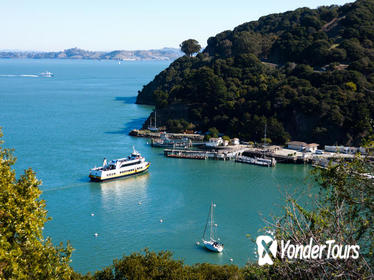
213, 246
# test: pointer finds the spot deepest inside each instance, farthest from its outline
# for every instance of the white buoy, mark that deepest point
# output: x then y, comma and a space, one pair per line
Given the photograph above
214, 205
96, 234
139, 203
92, 214
231, 260
161, 220
197, 243
215, 225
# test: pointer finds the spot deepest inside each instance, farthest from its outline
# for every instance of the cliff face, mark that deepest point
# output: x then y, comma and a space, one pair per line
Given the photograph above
308, 74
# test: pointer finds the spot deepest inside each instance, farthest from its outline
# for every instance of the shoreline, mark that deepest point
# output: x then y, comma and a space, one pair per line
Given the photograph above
230, 152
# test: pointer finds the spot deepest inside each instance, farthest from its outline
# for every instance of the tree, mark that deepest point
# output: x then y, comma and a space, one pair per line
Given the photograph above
343, 212
213, 132
24, 253
190, 47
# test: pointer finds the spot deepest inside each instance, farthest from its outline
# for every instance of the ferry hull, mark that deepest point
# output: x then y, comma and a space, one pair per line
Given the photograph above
99, 179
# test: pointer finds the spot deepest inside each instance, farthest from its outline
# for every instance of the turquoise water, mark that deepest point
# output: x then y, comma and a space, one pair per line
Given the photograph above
63, 126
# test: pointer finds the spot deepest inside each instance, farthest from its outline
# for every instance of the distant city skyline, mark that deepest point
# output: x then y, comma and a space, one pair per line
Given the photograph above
127, 25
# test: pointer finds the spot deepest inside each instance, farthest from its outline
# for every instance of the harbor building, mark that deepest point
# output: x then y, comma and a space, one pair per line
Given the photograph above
345, 150
235, 141
214, 142
302, 146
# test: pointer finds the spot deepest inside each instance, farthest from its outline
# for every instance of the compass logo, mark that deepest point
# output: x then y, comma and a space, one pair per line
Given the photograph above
266, 245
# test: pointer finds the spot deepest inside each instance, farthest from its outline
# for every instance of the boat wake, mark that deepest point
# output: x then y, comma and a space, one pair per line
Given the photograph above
21, 75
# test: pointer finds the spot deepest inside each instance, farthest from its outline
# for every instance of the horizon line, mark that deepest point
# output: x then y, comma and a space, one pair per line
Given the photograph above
46, 51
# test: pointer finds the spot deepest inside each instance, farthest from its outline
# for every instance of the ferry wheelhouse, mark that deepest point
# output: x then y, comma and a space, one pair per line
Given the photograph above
131, 165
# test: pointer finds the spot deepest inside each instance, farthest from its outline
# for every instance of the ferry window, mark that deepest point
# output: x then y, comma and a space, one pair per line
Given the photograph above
126, 164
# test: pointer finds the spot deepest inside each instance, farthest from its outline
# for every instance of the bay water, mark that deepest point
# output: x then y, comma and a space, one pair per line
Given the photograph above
64, 125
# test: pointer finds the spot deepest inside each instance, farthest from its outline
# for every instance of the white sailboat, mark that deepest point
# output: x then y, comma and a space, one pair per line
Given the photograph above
154, 127
211, 244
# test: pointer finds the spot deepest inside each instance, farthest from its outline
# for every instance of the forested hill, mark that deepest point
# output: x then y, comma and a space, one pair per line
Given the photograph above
308, 74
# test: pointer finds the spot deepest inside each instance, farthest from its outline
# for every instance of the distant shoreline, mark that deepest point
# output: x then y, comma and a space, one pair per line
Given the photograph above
167, 54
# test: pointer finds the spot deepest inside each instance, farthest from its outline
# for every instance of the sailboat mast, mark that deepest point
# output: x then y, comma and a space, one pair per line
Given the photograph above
155, 119
211, 222
265, 134
207, 221
264, 140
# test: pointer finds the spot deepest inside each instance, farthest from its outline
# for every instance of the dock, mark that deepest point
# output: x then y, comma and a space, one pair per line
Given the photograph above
284, 155
188, 154
257, 161
278, 156
220, 154
150, 134
197, 149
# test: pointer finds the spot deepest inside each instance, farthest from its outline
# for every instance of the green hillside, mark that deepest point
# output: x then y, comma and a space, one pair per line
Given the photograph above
308, 74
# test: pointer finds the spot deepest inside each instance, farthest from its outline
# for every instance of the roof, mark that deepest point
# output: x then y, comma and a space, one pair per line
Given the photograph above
313, 145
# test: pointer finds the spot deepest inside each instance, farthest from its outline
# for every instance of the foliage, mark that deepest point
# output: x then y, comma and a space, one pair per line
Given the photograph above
350, 185
190, 46
344, 212
24, 253
307, 73
266, 140
179, 126
150, 265
213, 132
226, 138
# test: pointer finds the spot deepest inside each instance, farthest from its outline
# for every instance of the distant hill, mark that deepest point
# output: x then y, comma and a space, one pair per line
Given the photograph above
76, 53
308, 74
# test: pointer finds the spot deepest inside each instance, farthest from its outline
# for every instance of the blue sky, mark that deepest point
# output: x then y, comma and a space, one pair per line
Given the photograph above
114, 24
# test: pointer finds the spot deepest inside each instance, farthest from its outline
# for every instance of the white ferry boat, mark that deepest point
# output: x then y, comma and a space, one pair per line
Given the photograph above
131, 165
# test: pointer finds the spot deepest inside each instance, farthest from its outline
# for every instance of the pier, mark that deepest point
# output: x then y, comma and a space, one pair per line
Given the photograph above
150, 134
227, 154
188, 154
201, 150
284, 155
279, 155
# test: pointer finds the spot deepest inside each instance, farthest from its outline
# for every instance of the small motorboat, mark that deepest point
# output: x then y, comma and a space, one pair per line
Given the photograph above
46, 74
